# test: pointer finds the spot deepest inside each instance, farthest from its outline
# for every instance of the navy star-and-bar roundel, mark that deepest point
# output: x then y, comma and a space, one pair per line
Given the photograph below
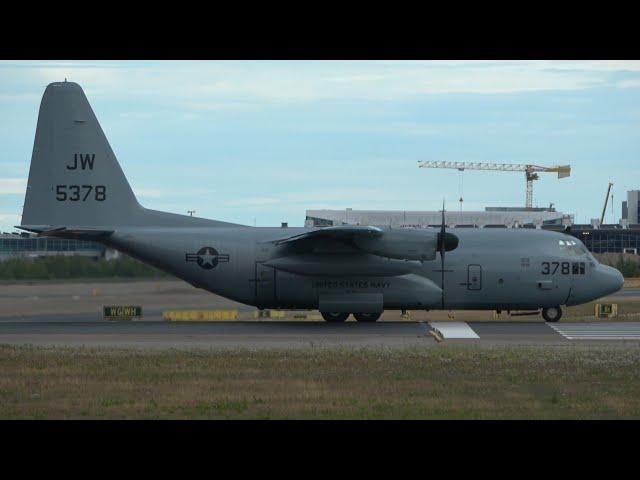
207, 257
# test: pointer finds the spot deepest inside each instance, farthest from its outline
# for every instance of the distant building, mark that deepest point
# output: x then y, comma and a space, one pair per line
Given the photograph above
26, 245
491, 217
632, 207
597, 238
608, 238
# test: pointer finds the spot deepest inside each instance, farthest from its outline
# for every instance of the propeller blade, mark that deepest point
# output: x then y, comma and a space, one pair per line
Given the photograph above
442, 250
446, 242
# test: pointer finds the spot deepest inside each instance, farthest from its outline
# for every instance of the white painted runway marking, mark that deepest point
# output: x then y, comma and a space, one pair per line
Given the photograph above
454, 329
598, 331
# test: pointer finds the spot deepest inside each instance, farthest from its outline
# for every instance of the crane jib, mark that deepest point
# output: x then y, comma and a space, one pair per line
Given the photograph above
530, 170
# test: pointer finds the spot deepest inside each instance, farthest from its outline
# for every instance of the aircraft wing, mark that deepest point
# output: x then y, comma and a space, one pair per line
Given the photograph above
402, 244
347, 232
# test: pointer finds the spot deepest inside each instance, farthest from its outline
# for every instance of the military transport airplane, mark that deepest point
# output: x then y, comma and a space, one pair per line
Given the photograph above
76, 189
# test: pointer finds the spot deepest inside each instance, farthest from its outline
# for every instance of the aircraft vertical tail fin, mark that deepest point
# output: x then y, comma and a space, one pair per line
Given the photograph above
76, 185
74, 178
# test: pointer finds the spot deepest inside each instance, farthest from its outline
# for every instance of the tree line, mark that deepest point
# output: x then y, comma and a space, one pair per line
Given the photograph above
628, 267
62, 267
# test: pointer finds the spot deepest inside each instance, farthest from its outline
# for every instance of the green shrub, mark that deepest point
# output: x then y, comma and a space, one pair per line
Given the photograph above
628, 267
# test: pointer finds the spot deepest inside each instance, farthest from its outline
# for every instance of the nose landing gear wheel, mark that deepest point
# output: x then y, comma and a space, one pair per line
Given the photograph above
552, 314
367, 317
334, 316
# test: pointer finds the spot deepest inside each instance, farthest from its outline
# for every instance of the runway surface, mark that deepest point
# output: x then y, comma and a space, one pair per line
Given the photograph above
301, 334
599, 331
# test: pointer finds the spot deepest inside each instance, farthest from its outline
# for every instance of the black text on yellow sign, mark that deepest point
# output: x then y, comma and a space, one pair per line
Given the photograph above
122, 311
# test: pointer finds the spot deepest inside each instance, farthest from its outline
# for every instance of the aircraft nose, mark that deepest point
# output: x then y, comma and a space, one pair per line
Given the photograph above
611, 279
604, 281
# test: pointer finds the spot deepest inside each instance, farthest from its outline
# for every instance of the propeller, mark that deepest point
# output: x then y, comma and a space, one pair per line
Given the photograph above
446, 242
441, 248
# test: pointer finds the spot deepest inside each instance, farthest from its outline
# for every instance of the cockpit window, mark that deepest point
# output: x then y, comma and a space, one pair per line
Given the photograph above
571, 248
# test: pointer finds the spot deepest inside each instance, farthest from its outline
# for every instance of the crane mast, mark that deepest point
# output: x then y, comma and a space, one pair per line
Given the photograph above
531, 171
606, 199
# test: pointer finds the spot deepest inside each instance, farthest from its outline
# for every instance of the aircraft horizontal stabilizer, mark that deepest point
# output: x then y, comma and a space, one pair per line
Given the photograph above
66, 232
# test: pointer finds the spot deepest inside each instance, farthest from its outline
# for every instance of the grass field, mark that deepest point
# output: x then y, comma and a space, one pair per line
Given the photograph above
442, 382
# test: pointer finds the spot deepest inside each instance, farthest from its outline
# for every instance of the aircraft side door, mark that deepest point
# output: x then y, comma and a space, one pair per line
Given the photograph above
474, 277
265, 277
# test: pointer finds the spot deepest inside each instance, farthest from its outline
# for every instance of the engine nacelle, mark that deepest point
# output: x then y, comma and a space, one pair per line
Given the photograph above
401, 244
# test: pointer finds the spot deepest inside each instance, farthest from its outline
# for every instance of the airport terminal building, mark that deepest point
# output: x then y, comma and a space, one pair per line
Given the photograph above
14, 245
609, 238
491, 217
617, 238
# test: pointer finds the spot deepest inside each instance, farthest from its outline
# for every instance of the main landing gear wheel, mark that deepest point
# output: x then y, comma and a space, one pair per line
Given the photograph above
552, 314
334, 316
367, 317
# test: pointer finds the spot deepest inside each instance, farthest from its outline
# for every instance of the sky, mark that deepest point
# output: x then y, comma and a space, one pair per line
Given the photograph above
260, 142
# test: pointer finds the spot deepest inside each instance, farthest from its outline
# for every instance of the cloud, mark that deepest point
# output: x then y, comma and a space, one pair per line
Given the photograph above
21, 97
300, 199
253, 202
13, 186
238, 85
146, 192
628, 84
61, 64
220, 106
137, 115
589, 65
9, 219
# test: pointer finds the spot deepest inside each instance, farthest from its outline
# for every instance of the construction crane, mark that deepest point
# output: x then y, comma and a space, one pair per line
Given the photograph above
531, 171
606, 199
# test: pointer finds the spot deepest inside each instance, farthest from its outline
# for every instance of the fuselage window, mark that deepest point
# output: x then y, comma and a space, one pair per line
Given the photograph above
572, 248
578, 268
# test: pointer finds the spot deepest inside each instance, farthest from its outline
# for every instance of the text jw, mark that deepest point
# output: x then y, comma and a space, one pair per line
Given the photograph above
82, 161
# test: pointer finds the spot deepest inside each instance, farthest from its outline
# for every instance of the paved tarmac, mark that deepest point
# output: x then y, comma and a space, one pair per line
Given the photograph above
294, 334
71, 314
225, 335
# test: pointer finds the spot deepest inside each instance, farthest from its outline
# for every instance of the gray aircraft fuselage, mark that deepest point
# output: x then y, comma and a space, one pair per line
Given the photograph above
76, 189
494, 269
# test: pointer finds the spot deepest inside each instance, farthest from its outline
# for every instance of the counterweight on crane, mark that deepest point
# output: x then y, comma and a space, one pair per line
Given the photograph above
531, 171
